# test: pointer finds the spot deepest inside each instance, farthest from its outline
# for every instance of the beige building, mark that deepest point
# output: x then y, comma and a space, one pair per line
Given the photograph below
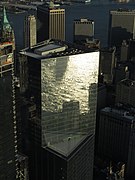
51, 23
121, 26
30, 31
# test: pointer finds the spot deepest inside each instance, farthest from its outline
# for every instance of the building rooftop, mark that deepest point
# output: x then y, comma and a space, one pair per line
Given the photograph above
121, 111
83, 20
108, 50
123, 11
50, 48
54, 48
67, 144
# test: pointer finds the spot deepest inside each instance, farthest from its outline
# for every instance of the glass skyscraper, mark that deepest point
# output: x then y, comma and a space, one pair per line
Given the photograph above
64, 85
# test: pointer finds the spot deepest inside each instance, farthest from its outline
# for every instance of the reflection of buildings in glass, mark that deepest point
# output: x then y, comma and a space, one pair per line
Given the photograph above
64, 84
80, 72
60, 125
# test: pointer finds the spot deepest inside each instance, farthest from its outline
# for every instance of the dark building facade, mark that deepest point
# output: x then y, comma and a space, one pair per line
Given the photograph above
107, 64
125, 91
122, 71
124, 51
64, 87
131, 158
51, 23
116, 136
121, 26
77, 166
8, 134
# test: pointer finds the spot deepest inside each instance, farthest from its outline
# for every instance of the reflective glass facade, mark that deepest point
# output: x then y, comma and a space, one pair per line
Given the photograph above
68, 100
62, 82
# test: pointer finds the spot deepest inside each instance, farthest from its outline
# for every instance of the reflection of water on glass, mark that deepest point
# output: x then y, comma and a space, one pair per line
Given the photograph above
73, 84
69, 86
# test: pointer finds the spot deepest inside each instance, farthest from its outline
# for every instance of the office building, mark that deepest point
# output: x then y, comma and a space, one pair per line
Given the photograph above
131, 158
101, 103
107, 64
125, 91
8, 134
64, 90
122, 71
83, 30
124, 51
121, 26
131, 49
116, 135
51, 22
30, 31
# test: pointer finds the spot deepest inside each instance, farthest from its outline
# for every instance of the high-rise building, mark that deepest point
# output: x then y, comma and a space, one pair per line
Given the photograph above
122, 71
125, 91
124, 51
64, 89
83, 30
8, 135
131, 49
107, 64
121, 26
131, 158
117, 135
51, 22
30, 31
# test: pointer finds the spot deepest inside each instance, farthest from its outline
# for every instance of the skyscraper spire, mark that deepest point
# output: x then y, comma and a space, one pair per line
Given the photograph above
6, 31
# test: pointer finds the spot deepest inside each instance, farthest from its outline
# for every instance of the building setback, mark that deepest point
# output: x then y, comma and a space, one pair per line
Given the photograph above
64, 88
